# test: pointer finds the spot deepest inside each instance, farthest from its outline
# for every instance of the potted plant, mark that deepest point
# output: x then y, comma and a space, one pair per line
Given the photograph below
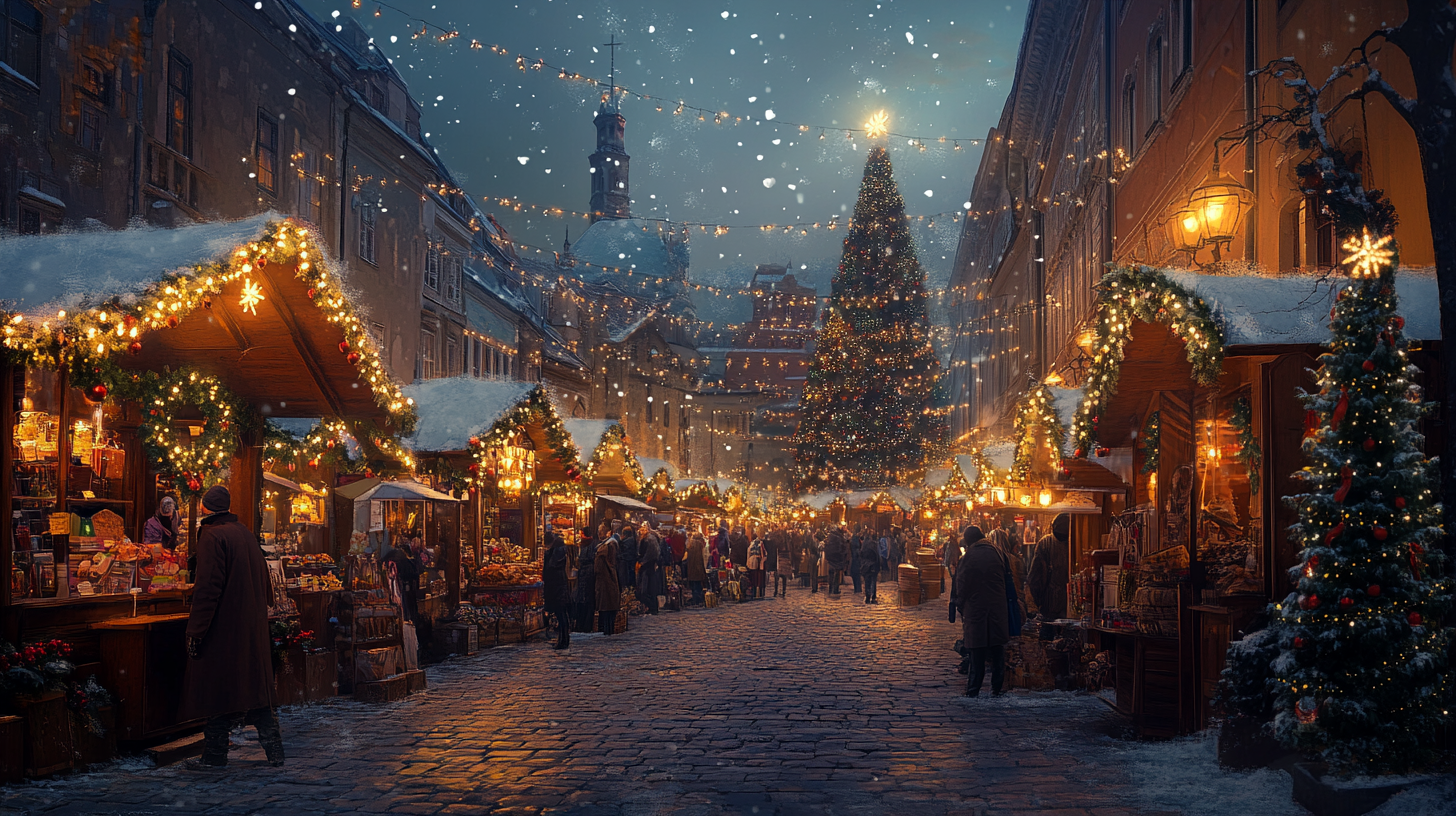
32, 681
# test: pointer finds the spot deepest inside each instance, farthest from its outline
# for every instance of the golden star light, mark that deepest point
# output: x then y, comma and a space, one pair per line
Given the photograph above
1368, 256
252, 296
878, 125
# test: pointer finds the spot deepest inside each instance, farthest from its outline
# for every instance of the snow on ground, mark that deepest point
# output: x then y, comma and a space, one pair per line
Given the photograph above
1184, 775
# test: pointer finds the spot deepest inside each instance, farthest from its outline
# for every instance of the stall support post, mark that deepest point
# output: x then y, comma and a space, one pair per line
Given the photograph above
247, 484
452, 563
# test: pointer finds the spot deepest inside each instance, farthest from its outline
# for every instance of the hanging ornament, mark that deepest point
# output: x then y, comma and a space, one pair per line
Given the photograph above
1298, 642
1379, 532
1104, 451
1306, 711
95, 393
1398, 322
135, 348
129, 321
1400, 502
353, 357
343, 346
313, 463
292, 467
1368, 366
312, 292
194, 485
1347, 602
1338, 415
1373, 590
1414, 618
1368, 444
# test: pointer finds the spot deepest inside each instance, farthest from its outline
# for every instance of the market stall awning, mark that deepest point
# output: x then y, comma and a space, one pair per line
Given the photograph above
651, 466
400, 490
257, 303
626, 502
454, 409
609, 461
273, 478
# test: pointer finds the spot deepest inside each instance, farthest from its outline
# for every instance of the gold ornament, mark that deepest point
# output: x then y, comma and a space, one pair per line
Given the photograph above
1368, 256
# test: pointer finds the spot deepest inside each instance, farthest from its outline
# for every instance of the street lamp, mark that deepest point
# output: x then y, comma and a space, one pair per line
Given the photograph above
1214, 213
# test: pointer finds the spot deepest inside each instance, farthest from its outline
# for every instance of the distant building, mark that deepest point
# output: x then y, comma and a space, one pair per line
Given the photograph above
752, 407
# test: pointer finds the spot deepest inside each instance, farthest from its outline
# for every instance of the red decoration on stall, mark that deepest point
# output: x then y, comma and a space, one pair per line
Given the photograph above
343, 346
135, 348
1347, 602
96, 393
1373, 590
1338, 415
353, 357
312, 292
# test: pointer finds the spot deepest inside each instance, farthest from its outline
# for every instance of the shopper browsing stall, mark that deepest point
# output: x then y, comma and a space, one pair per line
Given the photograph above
230, 677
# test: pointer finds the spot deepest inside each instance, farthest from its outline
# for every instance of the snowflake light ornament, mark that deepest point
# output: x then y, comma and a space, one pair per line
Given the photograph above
252, 296
1367, 256
878, 125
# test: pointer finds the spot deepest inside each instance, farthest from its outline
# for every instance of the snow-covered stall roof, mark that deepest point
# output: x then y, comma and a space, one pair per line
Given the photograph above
819, 500
587, 434
453, 409
41, 274
297, 426
650, 466
1295, 309
720, 485
1001, 455
967, 465
937, 477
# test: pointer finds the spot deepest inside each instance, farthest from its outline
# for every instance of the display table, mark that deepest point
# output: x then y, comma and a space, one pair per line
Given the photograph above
143, 660
1148, 678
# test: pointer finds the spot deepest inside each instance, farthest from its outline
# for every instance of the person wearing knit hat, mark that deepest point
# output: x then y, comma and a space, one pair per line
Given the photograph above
229, 679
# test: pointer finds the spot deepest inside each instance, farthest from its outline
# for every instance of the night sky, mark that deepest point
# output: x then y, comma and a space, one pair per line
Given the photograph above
937, 68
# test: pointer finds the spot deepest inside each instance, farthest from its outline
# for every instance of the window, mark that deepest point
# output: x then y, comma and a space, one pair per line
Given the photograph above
452, 279
265, 151
451, 352
1155, 82
378, 99
1183, 31
30, 221
427, 354
90, 131
95, 83
20, 38
1129, 117
432, 268
1309, 236
179, 104
366, 234
310, 190
376, 331
477, 350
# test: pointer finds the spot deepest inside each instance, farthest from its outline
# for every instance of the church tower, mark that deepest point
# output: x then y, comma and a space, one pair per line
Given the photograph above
611, 195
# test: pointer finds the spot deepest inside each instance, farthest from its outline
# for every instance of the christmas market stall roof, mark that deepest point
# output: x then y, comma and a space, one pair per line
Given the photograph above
651, 466
255, 303
819, 500
606, 456
452, 410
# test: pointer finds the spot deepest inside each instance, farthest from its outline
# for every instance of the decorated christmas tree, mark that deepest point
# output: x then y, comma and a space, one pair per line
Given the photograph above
873, 405
1361, 671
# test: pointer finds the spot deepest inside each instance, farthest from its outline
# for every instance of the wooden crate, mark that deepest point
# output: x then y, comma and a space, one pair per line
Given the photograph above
382, 691
415, 681
47, 733
12, 750
320, 676
288, 680
94, 749
458, 638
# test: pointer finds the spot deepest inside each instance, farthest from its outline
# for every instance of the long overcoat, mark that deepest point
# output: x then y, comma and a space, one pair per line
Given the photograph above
980, 587
609, 589
555, 585
586, 575
694, 566
649, 572
234, 668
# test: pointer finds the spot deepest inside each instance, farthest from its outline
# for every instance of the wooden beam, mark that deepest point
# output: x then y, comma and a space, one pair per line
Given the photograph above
305, 352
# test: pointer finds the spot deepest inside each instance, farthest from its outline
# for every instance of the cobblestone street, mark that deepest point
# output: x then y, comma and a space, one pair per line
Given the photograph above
804, 705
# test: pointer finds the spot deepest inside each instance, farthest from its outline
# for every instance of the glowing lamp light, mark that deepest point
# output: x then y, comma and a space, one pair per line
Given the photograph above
1219, 204
1026, 501
970, 505
1044, 498
999, 494
1186, 230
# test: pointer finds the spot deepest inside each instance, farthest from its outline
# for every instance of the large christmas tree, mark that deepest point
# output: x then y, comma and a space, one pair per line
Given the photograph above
1361, 673
873, 406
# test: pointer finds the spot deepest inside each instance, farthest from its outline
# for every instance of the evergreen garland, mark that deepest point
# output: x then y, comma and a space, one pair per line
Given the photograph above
1142, 293
1152, 437
1249, 451
1035, 412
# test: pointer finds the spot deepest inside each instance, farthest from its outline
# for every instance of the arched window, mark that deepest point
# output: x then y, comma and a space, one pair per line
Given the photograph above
1155, 81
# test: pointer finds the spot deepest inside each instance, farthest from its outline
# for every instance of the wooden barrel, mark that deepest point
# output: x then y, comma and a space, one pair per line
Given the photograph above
909, 579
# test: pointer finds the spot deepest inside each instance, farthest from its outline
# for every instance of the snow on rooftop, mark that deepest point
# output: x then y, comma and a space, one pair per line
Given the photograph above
629, 244
587, 434
1065, 402
453, 409
967, 464
650, 466
937, 477
76, 270
1295, 309
819, 500
1001, 455
298, 426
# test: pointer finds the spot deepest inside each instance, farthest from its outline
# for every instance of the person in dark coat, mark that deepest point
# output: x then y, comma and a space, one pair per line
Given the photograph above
229, 678
836, 556
586, 582
627, 545
738, 548
1047, 578
695, 566
980, 586
556, 588
869, 565
649, 572
609, 588
855, 543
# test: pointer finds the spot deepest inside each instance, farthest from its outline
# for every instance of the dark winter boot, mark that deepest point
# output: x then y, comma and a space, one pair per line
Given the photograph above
270, 736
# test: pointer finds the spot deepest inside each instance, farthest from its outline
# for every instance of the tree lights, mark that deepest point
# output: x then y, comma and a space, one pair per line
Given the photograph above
873, 404
1035, 412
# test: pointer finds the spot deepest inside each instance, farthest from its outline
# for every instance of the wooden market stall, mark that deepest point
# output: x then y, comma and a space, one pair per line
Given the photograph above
141, 365
1205, 411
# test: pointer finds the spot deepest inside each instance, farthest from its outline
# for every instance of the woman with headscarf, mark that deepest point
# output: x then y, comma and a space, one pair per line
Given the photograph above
161, 528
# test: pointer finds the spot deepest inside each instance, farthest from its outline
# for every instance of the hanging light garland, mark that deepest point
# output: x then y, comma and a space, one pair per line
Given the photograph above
1036, 422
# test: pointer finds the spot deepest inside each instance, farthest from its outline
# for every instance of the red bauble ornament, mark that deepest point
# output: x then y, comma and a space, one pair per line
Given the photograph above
1079, 453
155, 412
1104, 451
292, 467
1400, 502
474, 440
129, 321
1398, 322
1373, 590
1379, 532
1414, 618
261, 261
1298, 642
330, 443
1368, 444
353, 357
135, 348
171, 321
1346, 603
96, 393
1368, 366
313, 463
343, 346
369, 473
194, 485
311, 292
1313, 602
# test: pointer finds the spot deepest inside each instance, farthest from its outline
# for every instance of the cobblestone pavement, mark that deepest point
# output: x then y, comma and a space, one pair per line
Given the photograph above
803, 705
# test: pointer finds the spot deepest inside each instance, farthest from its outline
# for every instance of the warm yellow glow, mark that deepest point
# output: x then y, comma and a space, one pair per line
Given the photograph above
1053, 379
970, 505
1212, 213
878, 125
1368, 256
252, 296
1045, 498
1152, 486
1026, 501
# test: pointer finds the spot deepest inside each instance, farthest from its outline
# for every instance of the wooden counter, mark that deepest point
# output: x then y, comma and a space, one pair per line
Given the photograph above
143, 660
